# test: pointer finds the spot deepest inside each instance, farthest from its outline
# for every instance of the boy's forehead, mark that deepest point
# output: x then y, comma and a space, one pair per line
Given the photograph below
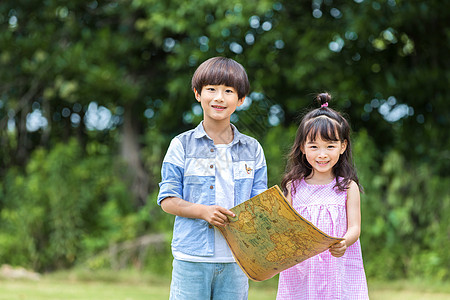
219, 85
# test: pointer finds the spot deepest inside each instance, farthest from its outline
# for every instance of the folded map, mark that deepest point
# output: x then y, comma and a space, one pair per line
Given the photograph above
267, 235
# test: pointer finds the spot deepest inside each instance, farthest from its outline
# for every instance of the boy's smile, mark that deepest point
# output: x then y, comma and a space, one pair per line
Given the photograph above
218, 107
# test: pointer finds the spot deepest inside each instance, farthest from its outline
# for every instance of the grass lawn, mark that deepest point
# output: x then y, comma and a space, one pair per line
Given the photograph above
135, 286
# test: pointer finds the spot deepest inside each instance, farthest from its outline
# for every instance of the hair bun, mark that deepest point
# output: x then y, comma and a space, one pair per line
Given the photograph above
323, 98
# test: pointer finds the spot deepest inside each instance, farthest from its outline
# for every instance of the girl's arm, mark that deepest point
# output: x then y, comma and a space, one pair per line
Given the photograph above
213, 214
288, 188
353, 221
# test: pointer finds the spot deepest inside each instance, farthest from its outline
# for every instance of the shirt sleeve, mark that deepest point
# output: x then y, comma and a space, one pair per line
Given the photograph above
260, 179
172, 172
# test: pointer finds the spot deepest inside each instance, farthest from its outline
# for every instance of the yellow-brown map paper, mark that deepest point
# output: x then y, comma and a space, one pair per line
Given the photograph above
267, 235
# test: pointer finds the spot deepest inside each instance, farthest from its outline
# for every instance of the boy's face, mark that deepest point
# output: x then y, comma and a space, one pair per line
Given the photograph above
218, 102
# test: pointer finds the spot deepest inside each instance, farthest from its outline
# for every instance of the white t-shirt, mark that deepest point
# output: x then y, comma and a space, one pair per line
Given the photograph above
225, 198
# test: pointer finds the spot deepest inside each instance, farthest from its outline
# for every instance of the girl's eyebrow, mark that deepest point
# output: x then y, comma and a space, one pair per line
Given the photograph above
314, 142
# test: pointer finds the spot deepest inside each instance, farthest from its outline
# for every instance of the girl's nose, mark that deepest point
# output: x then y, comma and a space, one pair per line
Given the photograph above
322, 153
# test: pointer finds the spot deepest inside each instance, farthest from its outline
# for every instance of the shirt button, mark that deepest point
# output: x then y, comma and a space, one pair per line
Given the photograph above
211, 166
210, 226
212, 150
211, 187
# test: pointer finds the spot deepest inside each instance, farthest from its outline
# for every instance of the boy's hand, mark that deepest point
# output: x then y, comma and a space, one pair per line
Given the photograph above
217, 215
337, 250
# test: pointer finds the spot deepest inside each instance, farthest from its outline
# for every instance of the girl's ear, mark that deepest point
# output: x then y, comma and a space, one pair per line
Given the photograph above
343, 146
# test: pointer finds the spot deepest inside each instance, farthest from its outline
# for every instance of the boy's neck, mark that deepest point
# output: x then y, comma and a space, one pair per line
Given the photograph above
220, 132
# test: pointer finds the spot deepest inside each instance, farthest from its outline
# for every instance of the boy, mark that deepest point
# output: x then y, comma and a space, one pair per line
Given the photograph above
205, 172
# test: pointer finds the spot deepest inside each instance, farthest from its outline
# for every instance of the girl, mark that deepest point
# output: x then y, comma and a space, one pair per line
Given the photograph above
321, 184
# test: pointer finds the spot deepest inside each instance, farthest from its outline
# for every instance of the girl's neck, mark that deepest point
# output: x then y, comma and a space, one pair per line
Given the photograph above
316, 178
219, 132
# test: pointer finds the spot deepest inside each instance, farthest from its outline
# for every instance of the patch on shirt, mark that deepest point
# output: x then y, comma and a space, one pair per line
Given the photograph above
244, 169
248, 169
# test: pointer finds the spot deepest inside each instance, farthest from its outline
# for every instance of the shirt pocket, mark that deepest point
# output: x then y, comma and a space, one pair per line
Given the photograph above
194, 189
244, 169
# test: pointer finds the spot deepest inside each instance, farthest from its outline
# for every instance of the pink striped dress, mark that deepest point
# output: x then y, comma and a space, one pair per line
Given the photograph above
324, 276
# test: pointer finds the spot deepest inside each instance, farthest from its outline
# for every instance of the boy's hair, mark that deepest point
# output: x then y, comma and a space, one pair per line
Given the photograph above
330, 125
221, 70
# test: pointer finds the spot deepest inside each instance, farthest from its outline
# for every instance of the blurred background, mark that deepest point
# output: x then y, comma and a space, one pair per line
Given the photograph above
92, 92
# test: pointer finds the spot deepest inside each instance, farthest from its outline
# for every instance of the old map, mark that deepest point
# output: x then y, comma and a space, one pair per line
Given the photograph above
268, 236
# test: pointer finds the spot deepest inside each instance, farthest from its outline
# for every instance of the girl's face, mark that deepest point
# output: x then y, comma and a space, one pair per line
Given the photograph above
322, 155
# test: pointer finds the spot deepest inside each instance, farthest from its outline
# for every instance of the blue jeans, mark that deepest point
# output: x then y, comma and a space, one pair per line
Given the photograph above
202, 281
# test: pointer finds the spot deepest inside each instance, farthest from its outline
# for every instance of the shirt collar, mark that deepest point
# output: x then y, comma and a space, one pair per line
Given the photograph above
238, 137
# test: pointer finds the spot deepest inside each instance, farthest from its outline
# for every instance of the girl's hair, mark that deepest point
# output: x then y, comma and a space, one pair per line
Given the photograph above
330, 125
221, 70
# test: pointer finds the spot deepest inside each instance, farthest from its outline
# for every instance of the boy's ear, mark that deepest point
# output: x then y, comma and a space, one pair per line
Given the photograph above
241, 101
197, 95
343, 146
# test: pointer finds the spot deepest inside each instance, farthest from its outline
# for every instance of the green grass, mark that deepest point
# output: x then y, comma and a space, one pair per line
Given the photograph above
84, 285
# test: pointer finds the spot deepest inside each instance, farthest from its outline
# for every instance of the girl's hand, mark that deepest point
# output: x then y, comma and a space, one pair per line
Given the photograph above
337, 250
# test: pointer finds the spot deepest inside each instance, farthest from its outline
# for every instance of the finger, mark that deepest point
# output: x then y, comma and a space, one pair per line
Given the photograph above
221, 218
229, 213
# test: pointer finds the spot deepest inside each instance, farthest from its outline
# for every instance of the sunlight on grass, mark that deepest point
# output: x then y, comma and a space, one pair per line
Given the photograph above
131, 285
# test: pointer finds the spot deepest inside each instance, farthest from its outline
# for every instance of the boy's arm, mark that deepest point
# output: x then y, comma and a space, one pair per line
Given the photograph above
171, 191
213, 214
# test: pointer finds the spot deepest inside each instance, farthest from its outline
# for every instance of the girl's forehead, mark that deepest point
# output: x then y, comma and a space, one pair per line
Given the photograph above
318, 135
318, 138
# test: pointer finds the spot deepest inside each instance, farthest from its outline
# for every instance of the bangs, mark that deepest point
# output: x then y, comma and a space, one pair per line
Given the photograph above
225, 75
324, 128
221, 71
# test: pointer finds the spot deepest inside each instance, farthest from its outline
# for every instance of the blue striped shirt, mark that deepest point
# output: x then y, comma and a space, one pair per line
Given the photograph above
188, 172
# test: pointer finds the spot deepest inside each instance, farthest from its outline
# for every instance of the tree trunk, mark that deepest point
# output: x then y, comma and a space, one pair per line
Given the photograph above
136, 174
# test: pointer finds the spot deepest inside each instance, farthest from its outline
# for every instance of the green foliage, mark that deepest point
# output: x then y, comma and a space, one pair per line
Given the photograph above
63, 207
66, 191
276, 145
405, 212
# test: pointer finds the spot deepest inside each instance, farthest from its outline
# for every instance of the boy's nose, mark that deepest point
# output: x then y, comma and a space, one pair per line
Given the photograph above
219, 96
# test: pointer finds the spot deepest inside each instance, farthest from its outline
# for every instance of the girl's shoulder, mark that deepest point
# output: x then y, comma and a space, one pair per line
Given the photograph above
353, 186
346, 184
